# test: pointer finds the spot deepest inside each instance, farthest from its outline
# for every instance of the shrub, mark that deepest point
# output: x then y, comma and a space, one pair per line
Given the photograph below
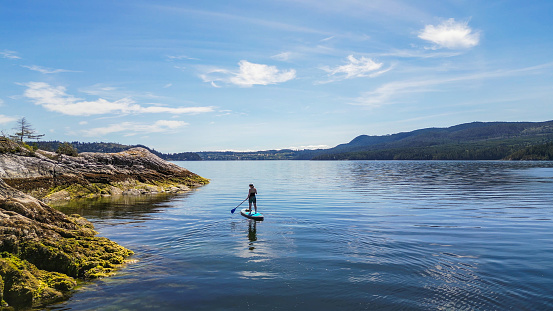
67, 149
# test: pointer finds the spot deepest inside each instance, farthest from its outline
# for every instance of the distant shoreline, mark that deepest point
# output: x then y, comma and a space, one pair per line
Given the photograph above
471, 141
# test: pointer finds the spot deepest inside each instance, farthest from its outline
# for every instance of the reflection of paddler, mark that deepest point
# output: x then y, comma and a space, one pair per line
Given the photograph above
252, 231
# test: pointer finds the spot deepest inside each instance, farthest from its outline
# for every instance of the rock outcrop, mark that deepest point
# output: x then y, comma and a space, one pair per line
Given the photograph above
43, 251
50, 176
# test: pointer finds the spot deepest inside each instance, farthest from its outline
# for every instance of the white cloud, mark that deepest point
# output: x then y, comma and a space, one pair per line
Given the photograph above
9, 54
5, 119
132, 128
355, 68
451, 35
249, 74
47, 70
55, 99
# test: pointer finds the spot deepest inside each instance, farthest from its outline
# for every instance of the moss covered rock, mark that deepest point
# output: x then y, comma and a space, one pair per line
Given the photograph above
43, 251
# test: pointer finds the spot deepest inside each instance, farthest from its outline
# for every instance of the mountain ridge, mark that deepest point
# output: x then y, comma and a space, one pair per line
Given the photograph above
504, 137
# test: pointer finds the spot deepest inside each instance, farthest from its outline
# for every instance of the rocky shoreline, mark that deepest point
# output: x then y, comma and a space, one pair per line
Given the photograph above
43, 252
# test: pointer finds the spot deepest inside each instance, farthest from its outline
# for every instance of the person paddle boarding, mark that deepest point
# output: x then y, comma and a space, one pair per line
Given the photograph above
251, 196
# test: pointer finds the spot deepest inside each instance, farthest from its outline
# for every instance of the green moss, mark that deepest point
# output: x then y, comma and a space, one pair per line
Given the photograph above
75, 256
76, 190
43, 271
25, 285
90, 190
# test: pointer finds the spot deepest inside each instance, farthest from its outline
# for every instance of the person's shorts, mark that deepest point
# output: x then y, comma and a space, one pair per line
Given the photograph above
252, 199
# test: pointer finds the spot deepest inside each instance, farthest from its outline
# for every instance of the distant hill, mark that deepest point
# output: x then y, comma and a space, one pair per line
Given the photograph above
115, 147
471, 141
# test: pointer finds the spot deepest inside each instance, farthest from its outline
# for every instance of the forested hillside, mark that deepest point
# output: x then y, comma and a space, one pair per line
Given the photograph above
471, 141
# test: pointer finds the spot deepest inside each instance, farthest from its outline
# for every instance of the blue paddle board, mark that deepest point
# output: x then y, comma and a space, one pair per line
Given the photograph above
252, 215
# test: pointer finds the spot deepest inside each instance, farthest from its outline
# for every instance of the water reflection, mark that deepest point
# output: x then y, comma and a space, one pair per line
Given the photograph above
138, 207
252, 232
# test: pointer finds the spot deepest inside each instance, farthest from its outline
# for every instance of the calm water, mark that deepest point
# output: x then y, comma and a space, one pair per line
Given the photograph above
355, 235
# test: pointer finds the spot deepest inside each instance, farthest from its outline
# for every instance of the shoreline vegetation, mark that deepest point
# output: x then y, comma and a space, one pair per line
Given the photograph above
526, 141
43, 252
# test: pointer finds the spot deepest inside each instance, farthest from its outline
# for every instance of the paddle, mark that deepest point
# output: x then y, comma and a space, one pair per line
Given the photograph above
232, 210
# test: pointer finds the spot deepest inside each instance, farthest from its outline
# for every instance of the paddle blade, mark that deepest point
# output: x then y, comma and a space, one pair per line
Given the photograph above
232, 210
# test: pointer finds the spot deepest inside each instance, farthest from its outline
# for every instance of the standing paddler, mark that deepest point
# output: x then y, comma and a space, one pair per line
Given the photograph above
251, 196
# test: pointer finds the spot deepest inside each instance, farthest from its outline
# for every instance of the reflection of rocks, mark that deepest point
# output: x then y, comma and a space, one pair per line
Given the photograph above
43, 251
51, 177
123, 206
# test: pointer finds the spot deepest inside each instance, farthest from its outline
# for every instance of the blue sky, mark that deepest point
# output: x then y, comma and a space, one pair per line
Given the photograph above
254, 75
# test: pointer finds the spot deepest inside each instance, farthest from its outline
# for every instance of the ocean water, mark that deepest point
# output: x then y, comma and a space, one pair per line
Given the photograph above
344, 235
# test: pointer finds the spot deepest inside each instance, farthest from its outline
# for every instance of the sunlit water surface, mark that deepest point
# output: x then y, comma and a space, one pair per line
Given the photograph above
355, 235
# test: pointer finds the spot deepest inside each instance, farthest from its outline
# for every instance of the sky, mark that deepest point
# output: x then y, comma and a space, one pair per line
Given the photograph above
245, 75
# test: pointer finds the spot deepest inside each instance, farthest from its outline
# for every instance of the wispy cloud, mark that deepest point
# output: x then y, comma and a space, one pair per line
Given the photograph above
420, 54
284, 56
386, 93
45, 70
451, 35
9, 54
180, 57
237, 18
355, 68
390, 92
56, 99
132, 128
249, 74
6, 119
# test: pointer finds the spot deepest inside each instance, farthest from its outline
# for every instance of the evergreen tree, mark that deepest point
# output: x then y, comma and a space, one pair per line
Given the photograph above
24, 130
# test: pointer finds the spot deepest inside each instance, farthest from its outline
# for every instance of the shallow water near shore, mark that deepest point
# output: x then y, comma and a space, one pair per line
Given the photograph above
348, 235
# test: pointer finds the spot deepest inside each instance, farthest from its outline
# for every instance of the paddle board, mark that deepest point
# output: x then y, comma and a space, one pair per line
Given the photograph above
253, 215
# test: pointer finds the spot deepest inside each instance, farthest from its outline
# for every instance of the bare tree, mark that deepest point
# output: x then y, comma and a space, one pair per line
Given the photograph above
24, 130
